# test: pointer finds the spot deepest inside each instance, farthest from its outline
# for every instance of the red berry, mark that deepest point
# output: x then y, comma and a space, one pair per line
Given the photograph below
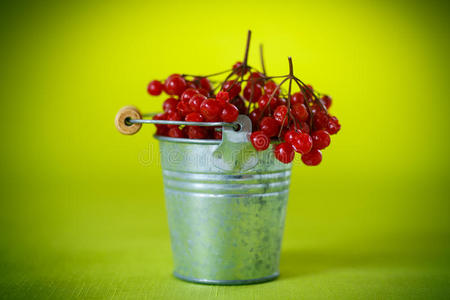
197, 132
320, 120
175, 85
173, 116
313, 158
304, 127
326, 100
321, 139
270, 87
175, 132
183, 107
240, 104
190, 85
297, 98
269, 126
290, 136
300, 112
223, 97
309, 91
188, 94
196, 101
211, 109
259, 140
232, 87
170, 105
155, 88
333, 125
194, 117
239, 70
284, 153
252, 92
229, 113
161, 129
217, 135
256, 77
254, 117
302, 143
282, 101
264, 100
205, 84
280, 114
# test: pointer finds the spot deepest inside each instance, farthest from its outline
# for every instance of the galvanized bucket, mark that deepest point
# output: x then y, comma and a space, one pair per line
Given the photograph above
226, 206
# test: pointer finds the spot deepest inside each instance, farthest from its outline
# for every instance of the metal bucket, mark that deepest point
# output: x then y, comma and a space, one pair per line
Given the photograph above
226, 206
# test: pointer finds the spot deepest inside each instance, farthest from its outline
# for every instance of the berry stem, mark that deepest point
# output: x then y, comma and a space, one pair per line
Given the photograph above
206, 76
307, 103
261, 55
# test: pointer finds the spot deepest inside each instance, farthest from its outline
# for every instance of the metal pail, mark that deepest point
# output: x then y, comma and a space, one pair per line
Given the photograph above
226, 206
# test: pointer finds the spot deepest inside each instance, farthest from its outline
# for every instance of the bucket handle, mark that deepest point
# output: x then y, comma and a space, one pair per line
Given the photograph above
129, 121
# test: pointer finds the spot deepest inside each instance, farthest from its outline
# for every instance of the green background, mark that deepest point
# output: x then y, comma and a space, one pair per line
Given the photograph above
82, 210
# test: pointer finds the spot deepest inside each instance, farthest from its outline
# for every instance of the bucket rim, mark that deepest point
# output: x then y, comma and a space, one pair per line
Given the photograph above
198, 141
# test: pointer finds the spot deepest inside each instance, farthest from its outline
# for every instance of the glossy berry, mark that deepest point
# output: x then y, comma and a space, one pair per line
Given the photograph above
196, 101
223, 97
194, 117
270, 87
240, 104
326, 100
333, 125
252, 92
300, 112
264, 100
175, 85
173, 116
197, 132
259, 140
320, 120
302, 143
284, 153
257, 78
238, 69
204, 84
270, 126
290, 136
170, 105
321, 139
297, 98
155, 88
229, 113
280, 114
161, 129
309, 90
183, 107
232, 87
188, 94
175, 132
254, 117
217, 135
313, 158
210, 109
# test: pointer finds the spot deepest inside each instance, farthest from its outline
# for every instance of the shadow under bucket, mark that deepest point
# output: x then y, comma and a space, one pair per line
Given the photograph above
226, 206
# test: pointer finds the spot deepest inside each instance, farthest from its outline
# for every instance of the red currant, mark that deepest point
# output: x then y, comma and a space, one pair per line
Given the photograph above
170, 105
238, 69
175, 132
188, 94
290, 136
264, 100
284, 153
211, 109
321, 139
205, 84
196, 101
155, 88
183, 107
302, 143
280, 114
333, 125
173, 116
229, 113
259, 140
326, 100
232, 87
269, 126
297, 98
313, 158
320, 120
194, 117
300, 112
223, 97
252, 92
175, 85
270, 87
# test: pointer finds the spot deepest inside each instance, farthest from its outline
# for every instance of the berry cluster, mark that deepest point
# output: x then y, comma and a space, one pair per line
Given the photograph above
298, 120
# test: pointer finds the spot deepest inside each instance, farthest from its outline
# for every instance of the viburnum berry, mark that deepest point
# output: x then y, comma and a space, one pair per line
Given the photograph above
270, 87
205, 84
254, 117
264, 100
333, 125
197, 132
196, 101
155, 88
259, 140
252, 92
302, 143
240, 104
161, 129
291, 135
326, 100
173, 116
300, 112
203, 92
190, 85
321, 139
239, 69
183, 107
175, 85
217, 135
312, 158
223, 97
270, 126
232, 87
229, 113
304, 127
194, 117
309, 90
210, 109
175, 132
188, 94
297, 98
284, 153
170, 105
280, 114
320, 120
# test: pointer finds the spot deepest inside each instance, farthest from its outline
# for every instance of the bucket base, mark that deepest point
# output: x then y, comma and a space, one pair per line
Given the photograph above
227, 282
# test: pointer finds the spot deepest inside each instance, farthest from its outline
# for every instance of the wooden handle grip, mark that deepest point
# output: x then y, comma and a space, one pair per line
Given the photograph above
128, 112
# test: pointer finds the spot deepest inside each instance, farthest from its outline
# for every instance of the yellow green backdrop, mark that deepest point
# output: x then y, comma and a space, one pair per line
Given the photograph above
82, 210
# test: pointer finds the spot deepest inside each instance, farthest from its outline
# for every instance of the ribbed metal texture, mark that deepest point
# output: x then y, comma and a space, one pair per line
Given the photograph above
226, 227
